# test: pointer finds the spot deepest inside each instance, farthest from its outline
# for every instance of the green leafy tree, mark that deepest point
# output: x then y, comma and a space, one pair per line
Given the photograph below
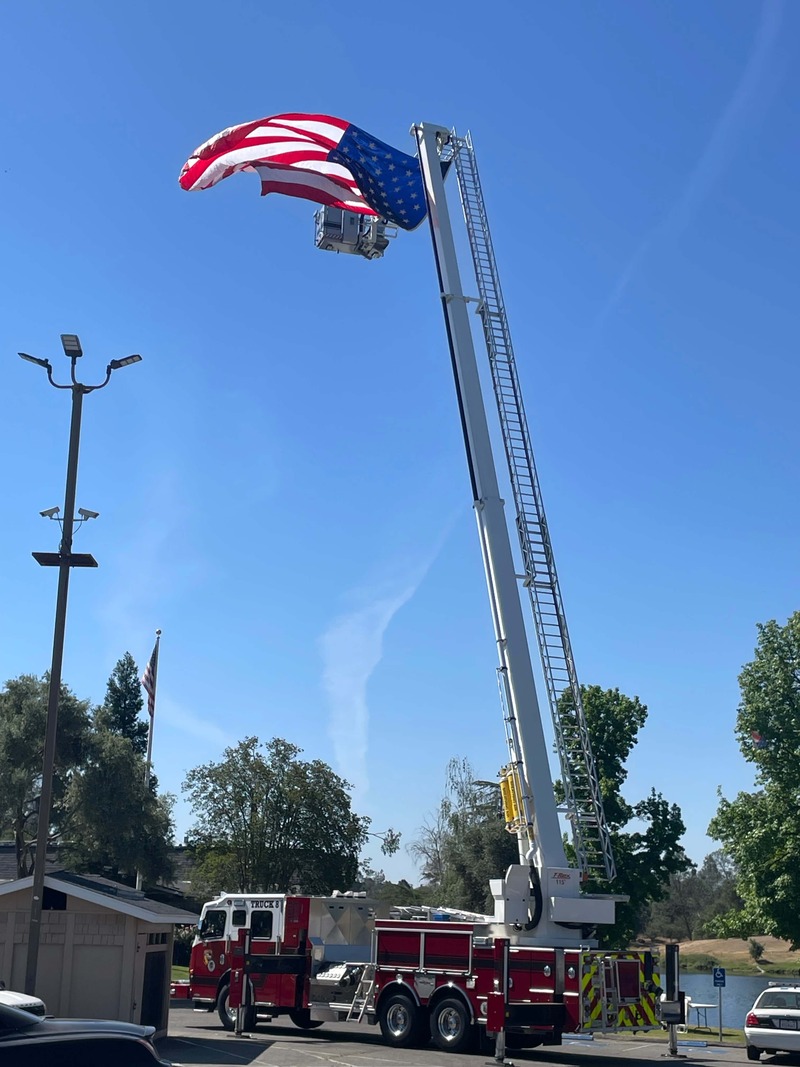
756, 949
694, 899
761, 830
266, 820
23, 719
376, 885
119, 826
648, 855
121, 710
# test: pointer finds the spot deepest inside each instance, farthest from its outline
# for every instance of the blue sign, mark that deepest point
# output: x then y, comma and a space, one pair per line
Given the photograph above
718, 974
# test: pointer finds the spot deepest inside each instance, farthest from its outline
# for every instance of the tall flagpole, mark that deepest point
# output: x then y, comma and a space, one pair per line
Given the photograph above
149, 682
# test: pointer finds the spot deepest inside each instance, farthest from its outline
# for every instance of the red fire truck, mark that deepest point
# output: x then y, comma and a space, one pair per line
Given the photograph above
532, 970
443, 978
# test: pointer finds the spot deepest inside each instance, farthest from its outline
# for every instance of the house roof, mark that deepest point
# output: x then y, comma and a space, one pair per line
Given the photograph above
107, 894
8, 862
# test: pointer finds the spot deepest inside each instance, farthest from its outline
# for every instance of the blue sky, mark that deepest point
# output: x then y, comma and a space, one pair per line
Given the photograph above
281, 482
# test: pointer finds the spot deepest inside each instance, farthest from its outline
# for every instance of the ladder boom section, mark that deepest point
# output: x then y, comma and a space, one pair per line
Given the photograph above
546, 846
584, 801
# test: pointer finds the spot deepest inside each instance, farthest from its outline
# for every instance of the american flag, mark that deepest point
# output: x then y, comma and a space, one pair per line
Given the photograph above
316, 157
149, 680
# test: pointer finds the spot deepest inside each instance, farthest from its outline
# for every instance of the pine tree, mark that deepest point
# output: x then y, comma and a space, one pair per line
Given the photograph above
123, 705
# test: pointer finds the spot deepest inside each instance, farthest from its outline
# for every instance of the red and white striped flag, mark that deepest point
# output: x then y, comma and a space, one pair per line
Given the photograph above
149, 679
316, 157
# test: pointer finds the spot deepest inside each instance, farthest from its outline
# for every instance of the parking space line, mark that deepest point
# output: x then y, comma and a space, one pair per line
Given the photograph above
221, 1052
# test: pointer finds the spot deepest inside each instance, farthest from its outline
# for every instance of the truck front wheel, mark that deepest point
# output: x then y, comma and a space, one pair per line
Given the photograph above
451, 1026
399, 1017
227, 1014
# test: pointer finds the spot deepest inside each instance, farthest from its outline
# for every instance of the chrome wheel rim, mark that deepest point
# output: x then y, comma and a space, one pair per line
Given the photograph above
397, 1020
449, 1024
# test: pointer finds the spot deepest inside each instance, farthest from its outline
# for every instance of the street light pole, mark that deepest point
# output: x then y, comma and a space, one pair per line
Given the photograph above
64, 559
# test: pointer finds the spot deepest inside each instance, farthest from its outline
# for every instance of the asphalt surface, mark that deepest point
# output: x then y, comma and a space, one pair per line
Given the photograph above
198, 1038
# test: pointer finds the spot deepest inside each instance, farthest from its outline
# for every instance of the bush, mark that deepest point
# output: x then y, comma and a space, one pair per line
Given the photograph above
182, 945
756, 949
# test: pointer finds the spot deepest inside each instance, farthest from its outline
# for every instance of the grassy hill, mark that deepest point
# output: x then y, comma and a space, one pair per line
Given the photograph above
734, 955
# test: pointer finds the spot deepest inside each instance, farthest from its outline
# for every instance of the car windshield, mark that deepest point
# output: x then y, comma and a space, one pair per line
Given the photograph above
773, 999
14, 1019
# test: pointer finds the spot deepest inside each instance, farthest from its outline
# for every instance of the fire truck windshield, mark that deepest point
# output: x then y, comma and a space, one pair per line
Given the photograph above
212, 924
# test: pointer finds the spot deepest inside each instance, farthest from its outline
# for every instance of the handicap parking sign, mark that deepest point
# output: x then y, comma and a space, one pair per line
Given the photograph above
718, 974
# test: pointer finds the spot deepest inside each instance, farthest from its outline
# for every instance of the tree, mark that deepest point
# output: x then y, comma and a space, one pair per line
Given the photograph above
761, 830
266, 820
23, 719
694, 899
465, 842
119, 827
756, 949
122, 707
647, 856
375, 884
429, 846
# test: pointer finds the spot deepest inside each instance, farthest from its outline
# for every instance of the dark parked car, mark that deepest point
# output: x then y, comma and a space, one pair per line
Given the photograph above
28, 1041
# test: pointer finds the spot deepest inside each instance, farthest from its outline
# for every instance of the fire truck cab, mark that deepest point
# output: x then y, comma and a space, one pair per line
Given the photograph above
295, 952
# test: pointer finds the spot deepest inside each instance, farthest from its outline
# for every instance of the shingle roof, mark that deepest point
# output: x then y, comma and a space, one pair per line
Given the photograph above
113, 895
8, 862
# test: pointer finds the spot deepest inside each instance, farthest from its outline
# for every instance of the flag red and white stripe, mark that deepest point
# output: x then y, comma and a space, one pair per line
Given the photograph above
290, 154
149, 680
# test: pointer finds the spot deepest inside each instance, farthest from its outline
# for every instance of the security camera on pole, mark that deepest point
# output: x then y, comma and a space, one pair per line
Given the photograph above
64, 559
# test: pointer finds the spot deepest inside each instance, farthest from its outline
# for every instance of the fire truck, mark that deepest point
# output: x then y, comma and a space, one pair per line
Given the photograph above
531, 971
444, 976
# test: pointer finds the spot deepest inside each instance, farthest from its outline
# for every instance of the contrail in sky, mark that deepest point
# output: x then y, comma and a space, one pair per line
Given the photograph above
716, 155
352, 647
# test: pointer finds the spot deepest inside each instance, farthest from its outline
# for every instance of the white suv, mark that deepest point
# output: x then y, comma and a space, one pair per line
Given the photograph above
773, 1023
22, 1001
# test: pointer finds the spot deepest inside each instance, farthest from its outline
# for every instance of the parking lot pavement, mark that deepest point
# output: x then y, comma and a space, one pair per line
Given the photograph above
198, 1038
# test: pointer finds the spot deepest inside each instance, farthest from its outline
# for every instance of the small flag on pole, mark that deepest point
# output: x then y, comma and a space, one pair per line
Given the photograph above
149, 678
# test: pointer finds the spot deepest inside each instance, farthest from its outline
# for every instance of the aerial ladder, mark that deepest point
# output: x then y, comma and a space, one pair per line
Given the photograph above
583, 799
544, 892
543, 888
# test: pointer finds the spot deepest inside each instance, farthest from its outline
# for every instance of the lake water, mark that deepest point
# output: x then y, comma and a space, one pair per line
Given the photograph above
738, 995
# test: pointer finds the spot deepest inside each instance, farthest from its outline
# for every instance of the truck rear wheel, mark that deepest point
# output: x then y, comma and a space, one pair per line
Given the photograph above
451, 1026
227, 1014
400, 1021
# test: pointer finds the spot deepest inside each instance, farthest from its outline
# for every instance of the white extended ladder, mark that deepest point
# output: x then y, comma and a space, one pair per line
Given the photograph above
584, 802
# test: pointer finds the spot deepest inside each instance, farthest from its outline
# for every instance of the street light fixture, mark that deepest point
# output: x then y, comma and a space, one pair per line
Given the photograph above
115, 364
64, 559
71, 345
35, 359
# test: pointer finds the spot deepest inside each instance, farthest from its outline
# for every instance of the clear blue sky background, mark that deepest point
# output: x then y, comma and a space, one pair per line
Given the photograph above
281, 482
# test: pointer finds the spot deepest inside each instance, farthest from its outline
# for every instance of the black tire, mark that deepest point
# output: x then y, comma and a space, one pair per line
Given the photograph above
399, 1019
302, 1018
451, 1026
753, 1053
227, 1014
